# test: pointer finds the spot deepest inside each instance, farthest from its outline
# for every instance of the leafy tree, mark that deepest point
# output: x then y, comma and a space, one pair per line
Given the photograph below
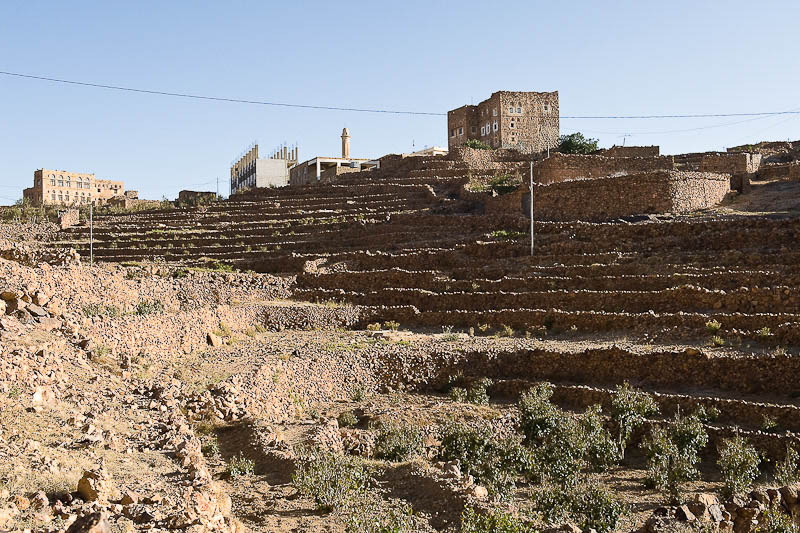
576, 143
738, 462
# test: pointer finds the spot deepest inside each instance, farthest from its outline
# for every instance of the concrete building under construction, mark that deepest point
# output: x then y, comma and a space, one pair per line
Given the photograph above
251, 171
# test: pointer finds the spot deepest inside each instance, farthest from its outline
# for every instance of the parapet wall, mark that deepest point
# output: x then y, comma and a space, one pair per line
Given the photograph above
622, 196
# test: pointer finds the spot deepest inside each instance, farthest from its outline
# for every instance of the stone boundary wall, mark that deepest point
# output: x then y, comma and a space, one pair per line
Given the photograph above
781, 171
730, 163
622, 196
562, 167
630, 151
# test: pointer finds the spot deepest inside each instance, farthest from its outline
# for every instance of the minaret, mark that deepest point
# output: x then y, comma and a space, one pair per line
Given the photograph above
345, 144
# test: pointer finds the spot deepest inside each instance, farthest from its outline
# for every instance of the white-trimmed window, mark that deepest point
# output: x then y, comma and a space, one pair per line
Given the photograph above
546, 108
483, 130
494, 126
52, 182
494, 112
519, 110
452, 133
461, 131
511, 109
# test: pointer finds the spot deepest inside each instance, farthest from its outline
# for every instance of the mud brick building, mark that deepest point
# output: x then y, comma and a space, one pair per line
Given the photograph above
525, 121
59, 187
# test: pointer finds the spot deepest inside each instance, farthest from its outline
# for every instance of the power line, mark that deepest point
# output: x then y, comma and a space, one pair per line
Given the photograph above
366, 110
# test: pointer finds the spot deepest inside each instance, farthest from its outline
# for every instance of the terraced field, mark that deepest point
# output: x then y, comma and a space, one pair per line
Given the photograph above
697, 311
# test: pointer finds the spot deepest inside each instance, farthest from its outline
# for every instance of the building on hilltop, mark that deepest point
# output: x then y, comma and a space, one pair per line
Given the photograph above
59, 187
324, 169
250, 171
525, 121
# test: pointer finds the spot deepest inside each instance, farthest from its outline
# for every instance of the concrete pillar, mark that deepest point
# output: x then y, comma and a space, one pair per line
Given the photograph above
318, 172
345, 144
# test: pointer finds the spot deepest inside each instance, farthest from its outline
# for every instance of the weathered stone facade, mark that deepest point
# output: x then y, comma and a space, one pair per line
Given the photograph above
525, 121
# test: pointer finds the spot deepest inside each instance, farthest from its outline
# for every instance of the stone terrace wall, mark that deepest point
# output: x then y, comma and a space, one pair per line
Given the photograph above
630, 151
561, 167
730, 163
477, 158
621, 196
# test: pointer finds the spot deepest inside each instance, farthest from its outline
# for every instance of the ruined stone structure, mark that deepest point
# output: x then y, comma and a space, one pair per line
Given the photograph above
250, 171
525, 121
59, 187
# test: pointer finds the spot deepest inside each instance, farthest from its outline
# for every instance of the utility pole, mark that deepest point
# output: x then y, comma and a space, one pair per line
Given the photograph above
217, 187
91, 235
532, 207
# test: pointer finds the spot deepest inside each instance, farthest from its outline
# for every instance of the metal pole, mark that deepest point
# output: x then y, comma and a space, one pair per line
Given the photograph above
91, 235
531, 208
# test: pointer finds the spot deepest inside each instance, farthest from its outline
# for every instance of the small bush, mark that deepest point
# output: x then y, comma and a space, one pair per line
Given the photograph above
775, 520
477, 144
458, 394
768, 423
738, 462
100, 310
507, 331
716, 340
601, 450
630, 408
392, 325
495, 462
537, 415
370, 514
240, 466
506, 235
590, 506
347, 419
398, 442
358, 394
673, 452
149, 307
374, 327
764, 332
332, 480
493, 521
713, 326
211, 447
476, 393
787, 472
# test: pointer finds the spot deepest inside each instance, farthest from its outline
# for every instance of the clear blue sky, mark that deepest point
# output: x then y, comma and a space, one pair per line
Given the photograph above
632, 57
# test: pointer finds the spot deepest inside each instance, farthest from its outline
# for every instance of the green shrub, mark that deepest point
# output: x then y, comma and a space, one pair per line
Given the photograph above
537, 415
576, 143
398, 441
332, 480
787, 472
240, 466
713, 326
374, 327
368, 513
716, 340
764, 332
476, 392
476, 144
347, 419
561, 454
458, 394
101, 310
494, 462
392, 325
601, 450
148, 307
672, 453
590, 506
358, 393
596, 507
507, 235
775, 520
738, 462
493, 521
630, 408
768, 423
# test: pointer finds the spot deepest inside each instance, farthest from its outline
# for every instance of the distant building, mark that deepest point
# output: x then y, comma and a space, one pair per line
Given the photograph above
249, 171
432, 151
526, 121
59, 187
323, 169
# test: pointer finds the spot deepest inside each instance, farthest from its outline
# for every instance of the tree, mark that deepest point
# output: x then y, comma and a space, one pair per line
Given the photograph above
576, 143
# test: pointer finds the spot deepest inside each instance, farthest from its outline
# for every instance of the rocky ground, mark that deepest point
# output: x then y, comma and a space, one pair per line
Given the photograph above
142, 397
